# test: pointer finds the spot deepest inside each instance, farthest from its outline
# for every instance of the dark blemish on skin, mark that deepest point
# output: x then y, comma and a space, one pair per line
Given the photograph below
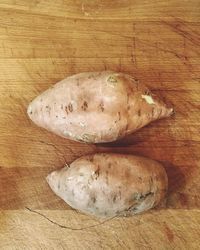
152, 112
56, 116
61, 106
64, 117
109, 165
101, 105
120, 193
48, 109
139, 112
140, 178
97, 172
41, 99
107, 177
31, 112
127, 98
134, 209
119, 114
70, 107
135, 196
93, 199
144, 196
128, 107
126, 127
91, 158
66, 109
114, 198
147, 92
84, 106
112, 79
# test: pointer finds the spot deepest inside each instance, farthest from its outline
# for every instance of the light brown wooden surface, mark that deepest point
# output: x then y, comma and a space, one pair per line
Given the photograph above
43, 41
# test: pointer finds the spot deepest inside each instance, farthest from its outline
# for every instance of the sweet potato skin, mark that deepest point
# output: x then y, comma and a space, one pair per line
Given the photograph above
107, 185
96, 107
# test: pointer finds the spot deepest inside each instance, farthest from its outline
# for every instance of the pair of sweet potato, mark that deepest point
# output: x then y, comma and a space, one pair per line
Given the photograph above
103, 107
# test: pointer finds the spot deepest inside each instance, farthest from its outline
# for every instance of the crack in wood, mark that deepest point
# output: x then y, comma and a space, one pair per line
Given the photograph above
67, 227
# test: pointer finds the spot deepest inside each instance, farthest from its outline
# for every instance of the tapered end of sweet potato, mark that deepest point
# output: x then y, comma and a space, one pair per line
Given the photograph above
161, 110
29, 110
53, 180
169, 112
33, 112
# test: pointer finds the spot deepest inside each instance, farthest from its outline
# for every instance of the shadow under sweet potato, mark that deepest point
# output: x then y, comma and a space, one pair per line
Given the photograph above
177, 181
176, 178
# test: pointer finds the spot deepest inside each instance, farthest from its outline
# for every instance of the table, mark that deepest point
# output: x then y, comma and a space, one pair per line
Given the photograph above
44, 41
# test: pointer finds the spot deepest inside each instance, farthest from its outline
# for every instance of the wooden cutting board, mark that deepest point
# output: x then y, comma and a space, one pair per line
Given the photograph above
42, 42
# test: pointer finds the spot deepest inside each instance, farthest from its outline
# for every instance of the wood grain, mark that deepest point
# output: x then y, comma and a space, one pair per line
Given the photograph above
43, 41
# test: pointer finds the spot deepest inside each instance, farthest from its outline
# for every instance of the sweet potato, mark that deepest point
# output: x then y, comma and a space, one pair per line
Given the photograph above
107, 185
96, 107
